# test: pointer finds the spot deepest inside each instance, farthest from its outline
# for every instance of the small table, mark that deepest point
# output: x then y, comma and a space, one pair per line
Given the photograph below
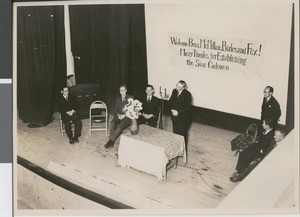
150, 150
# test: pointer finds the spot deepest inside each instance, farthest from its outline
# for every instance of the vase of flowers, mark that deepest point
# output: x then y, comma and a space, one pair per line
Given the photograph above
134, 127
132, 110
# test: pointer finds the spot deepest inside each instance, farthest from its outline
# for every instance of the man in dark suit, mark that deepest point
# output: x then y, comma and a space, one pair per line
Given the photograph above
120, 121
255, 151
68, 108
278, 137
150, 104
270, 108
180, 105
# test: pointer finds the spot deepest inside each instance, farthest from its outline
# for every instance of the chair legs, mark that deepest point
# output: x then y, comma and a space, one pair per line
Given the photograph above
62, 128
92, 128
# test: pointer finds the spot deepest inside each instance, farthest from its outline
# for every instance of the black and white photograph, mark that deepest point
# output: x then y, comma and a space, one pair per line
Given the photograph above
155, 107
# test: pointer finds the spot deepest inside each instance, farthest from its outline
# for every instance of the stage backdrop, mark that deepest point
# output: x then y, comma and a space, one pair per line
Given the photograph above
227, 53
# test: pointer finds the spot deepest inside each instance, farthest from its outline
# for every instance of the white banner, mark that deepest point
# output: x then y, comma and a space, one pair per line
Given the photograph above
235, 56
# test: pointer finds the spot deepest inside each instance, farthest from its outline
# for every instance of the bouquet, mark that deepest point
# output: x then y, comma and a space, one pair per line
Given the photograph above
132, 108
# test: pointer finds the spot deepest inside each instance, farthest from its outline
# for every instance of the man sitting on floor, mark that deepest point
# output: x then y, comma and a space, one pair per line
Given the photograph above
120, 121
150, 110
68, 107
254, 151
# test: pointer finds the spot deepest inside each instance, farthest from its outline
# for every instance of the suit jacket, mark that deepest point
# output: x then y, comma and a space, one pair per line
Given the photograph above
151, 107
270, 109
269, 148
119, 105
67, 105
254, 151
265, 142
182, 104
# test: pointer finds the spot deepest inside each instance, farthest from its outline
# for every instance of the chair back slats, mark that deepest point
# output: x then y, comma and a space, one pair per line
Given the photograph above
98, 106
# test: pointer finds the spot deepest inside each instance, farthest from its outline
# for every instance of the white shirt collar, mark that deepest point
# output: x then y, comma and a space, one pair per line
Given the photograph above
268, 98
267, 131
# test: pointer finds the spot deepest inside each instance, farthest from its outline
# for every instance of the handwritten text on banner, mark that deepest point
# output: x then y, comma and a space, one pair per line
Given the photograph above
238, 56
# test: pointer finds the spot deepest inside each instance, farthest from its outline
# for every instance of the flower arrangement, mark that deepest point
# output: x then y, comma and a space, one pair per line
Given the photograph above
132, 108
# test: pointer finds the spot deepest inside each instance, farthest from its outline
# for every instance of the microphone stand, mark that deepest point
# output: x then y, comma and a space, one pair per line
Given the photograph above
163, 95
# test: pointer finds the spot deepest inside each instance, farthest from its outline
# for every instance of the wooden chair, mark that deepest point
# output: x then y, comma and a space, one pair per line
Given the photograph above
62, 126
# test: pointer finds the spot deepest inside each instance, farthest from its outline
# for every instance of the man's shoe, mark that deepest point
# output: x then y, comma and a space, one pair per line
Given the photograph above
235, 174
109, 144
71, 141
235, 178
76, 139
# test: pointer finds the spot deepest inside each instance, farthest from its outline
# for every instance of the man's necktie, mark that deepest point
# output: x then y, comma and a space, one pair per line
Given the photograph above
148, 99
273, 143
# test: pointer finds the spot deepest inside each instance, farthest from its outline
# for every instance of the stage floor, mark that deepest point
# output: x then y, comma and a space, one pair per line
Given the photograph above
202, 183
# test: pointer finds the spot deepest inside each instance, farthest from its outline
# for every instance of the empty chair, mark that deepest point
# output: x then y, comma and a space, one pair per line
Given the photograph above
98, 116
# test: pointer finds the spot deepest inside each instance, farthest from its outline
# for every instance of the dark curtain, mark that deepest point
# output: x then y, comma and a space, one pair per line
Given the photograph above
290, 111
109, 48
41, 64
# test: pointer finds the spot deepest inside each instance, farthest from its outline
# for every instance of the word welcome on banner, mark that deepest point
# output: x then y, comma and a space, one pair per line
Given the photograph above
237, 56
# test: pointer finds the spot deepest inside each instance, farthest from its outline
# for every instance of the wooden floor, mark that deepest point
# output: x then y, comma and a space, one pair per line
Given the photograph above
202, 183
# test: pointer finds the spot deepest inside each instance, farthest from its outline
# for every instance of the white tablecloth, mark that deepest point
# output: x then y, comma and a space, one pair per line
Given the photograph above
150, 150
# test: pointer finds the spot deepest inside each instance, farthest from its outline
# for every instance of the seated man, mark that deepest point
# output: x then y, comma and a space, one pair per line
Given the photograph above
120, 121
278, 137
150, 106
254, 151
68, 108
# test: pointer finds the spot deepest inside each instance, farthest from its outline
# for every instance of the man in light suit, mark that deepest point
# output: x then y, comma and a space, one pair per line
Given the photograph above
270, 108
180, 104
68, 107
120, 121
150, 104
279, 135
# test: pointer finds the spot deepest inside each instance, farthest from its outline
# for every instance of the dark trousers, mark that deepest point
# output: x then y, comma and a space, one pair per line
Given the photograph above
181, 128
247, 170
67, 119
246, 157
151, 121
117, 126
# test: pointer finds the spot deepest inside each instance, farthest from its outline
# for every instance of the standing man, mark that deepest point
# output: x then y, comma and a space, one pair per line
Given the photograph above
120, 121
150, 106
68, 108
180, 104
270, 108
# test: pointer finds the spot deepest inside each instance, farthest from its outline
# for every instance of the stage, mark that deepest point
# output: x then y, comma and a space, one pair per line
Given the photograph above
202, 183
